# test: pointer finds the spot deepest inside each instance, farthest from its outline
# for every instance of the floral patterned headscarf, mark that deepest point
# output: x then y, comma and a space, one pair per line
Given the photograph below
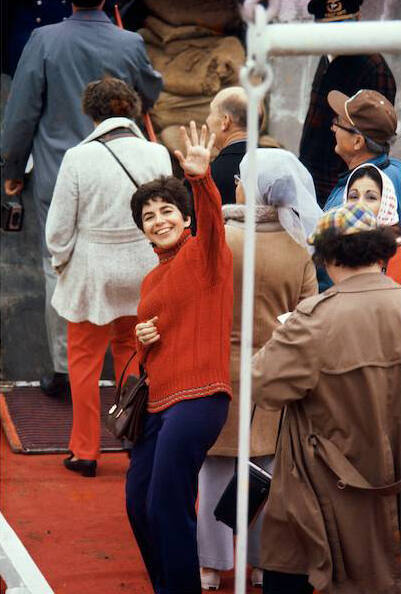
387, 214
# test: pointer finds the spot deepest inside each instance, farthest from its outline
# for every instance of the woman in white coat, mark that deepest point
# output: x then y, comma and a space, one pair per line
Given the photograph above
100, 255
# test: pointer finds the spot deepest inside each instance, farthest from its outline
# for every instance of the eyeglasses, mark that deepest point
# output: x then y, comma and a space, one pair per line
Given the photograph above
237, 179
350, 130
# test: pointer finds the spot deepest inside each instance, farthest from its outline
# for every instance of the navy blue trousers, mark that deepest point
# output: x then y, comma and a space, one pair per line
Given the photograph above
162, 486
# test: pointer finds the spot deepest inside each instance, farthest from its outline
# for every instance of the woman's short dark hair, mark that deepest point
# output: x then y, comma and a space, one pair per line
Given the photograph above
170, 188
353, 251
367, 171
110, 97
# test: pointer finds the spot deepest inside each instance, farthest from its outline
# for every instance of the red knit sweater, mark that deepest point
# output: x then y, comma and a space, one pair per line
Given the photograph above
191, 292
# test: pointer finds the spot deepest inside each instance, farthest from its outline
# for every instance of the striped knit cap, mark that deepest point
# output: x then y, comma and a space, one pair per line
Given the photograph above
348, 219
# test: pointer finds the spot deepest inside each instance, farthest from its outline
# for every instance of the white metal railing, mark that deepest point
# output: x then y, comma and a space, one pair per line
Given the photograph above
265, 40
17, 568
365, 37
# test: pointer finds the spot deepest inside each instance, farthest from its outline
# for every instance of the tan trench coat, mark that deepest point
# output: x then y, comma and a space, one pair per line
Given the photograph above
336, 363
284, 275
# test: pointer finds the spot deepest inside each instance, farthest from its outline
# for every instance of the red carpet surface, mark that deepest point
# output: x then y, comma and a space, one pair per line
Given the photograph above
75, 528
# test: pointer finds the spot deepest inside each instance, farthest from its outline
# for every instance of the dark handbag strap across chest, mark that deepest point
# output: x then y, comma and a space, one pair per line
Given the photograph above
120, 383
118, 133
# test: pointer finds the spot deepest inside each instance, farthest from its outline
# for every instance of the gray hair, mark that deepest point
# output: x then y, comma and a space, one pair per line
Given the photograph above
236, 108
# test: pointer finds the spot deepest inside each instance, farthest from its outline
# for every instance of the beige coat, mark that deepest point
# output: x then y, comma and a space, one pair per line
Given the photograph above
284, 275
336, 363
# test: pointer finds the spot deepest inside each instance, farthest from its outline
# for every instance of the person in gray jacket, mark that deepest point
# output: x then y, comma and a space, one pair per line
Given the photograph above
44, 116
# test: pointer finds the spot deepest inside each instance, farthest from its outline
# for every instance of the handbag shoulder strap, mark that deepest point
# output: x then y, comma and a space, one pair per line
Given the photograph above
103, 141
120, 383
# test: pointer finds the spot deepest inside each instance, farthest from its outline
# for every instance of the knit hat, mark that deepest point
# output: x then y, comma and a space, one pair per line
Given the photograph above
370, 112
347, 220
329, 11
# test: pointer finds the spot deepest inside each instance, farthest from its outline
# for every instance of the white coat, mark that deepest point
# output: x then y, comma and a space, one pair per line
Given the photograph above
90, 232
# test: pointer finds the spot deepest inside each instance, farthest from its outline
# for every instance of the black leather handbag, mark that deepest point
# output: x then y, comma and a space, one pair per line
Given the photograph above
125, 417
259, 487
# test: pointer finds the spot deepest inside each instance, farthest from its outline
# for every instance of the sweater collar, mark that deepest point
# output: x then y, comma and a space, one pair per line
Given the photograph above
166, 254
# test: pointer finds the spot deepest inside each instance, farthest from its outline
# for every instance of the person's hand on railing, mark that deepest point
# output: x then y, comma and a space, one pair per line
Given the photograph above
197, 159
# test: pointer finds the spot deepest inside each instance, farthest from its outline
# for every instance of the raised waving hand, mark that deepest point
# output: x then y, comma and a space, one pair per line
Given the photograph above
198, 151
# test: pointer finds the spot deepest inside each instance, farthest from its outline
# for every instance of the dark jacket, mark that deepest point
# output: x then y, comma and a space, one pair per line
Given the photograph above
19, 19
347, 74
225, 166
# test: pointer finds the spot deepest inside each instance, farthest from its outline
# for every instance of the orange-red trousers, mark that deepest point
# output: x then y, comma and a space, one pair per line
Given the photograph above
86, 346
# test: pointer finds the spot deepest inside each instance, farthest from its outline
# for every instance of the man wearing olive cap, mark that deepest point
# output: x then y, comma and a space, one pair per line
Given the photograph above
363, 126
347, 74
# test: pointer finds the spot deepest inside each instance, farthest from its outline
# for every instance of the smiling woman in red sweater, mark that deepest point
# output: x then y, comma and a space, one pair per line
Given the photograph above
183, 336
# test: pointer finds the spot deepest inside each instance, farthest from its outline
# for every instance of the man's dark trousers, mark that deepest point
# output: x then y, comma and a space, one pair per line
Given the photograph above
162, 486
276, 582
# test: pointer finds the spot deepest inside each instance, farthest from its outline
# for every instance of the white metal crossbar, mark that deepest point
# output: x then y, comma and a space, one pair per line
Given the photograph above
336, 38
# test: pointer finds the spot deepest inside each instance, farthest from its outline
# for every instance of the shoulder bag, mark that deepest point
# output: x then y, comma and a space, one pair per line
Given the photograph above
125, 417
259, 488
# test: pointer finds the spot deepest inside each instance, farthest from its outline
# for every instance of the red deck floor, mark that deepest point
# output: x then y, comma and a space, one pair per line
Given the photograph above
75, 528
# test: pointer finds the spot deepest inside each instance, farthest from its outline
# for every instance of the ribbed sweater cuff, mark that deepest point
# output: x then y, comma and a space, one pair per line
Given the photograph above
201, 179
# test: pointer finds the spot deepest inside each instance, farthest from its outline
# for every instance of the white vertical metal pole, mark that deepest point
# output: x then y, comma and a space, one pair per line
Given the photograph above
255, 94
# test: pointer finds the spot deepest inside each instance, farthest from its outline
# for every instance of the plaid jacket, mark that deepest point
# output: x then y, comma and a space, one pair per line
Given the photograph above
347, 74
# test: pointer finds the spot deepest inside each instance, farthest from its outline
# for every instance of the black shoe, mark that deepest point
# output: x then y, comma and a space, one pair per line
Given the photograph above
85, 467
56, 384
